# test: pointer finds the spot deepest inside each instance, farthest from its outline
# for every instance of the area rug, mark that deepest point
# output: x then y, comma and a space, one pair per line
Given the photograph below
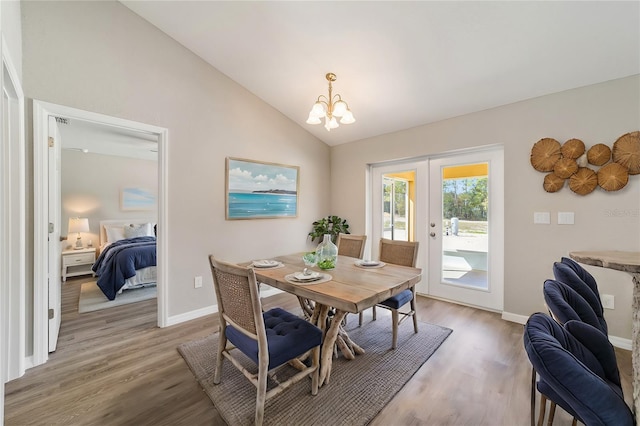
358, 389
93, 299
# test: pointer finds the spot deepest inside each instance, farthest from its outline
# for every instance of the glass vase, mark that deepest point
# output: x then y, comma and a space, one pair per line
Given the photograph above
327, 253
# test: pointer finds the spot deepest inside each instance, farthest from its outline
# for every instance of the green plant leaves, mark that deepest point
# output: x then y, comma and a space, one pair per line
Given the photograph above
332, 225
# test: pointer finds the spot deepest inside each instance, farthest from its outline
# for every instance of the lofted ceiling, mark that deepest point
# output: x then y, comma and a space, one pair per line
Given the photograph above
404, 64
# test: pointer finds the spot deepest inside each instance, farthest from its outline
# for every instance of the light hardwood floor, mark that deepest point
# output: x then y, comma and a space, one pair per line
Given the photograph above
115, 367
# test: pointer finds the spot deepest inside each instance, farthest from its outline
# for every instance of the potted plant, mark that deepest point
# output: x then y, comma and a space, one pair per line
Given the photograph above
332, 225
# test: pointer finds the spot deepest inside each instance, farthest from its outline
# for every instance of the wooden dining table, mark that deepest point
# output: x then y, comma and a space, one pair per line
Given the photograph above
348, 288
627, 261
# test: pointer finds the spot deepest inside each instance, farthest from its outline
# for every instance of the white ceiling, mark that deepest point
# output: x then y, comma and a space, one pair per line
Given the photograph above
403, 64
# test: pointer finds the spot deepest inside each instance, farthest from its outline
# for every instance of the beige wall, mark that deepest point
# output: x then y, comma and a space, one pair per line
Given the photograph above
12, 32
91, 185
101, 57
606, 221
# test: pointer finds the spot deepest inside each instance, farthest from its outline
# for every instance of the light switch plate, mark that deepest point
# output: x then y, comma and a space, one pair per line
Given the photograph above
542, 218
565, 218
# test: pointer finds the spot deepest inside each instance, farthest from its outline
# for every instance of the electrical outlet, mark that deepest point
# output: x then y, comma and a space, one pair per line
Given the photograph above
197, 282
608, 301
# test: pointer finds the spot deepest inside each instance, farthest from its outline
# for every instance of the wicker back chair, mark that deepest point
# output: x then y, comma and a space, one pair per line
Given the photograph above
269, 339
403, 253
351, 245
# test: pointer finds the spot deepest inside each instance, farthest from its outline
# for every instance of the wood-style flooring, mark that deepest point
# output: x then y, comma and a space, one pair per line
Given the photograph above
115, 367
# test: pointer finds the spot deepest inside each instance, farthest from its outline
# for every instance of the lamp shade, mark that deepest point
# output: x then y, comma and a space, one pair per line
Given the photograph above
78, 224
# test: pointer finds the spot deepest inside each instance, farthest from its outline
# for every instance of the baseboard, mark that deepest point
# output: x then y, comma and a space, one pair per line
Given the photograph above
618, 342
188, 316
520, 319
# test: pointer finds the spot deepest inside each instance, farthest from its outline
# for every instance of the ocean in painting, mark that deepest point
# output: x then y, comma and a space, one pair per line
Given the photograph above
255, 205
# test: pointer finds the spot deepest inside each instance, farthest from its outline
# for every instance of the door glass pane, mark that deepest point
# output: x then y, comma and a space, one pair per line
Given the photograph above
395, 196
465, 239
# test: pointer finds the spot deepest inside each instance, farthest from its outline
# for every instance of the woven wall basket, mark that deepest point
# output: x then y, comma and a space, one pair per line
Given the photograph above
599, 154
613, 177
565, 167
573, 148
626, 151
583, 181
552, 183
544, 154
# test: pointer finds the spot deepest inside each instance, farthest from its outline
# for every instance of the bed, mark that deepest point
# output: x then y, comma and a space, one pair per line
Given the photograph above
127, 258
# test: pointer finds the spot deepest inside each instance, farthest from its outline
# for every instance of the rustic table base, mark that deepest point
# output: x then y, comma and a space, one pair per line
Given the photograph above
334, 334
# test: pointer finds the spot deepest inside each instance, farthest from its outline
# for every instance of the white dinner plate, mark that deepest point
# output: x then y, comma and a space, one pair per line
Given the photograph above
313, 276
265, 263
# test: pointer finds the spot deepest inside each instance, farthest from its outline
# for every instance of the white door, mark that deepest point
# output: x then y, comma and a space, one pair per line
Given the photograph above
466, 227
54, 269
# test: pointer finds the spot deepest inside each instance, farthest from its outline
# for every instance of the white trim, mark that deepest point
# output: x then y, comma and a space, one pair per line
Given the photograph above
188, 316
41, 112
16, 224
517, 318
618, 342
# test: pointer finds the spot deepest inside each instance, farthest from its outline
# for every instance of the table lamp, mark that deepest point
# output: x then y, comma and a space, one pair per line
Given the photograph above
78, 224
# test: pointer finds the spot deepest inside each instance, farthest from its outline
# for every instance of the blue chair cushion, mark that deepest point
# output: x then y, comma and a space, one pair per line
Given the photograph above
566, 304
395, 302
288, 337
574, 372
582, 273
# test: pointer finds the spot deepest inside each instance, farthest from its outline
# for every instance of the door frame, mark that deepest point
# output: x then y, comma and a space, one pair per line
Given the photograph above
13, 223
41, 112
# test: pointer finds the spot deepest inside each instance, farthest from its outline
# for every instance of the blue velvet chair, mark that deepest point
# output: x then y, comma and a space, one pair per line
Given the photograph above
270, 339
566, 304
582, 273
567, 275
577, 364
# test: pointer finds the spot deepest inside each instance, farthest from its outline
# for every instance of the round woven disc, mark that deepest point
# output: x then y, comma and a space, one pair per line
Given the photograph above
565, 167
544, 154
626, 151
552, 183
599, 154
613, 177
573, 148
583, 181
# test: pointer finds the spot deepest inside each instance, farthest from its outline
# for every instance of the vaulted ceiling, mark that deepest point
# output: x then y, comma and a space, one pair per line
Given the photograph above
404, 64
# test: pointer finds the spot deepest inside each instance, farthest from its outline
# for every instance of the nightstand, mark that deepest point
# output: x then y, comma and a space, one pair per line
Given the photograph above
77, 262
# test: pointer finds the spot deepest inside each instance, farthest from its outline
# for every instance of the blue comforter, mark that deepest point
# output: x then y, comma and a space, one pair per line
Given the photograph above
120, 260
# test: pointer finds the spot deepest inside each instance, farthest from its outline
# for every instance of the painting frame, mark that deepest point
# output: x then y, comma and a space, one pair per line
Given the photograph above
260, 190
134, 198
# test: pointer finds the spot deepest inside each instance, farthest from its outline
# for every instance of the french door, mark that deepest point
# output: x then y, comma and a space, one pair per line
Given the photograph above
466, 217
453, 206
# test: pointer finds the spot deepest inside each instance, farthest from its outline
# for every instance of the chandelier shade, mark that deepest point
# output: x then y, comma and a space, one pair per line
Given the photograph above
330, 107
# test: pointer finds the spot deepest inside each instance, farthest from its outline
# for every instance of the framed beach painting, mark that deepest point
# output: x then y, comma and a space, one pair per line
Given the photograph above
137, 199
259, 190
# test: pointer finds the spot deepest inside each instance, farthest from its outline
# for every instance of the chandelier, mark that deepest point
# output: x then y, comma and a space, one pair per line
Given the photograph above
330, 107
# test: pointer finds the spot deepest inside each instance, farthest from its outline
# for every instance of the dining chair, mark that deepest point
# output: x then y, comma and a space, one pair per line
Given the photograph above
582, 273
565, 304
403, 253
351, 245
577, 365
269, 339
567, 275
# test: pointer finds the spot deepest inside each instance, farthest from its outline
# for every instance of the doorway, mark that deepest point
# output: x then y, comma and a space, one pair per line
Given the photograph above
46, 279
453, 205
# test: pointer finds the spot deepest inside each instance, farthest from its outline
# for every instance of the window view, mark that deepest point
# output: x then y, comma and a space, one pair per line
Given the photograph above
465, 242
396, 218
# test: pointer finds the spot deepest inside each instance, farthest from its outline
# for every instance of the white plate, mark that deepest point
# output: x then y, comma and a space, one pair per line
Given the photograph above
367, 263
313, 276
265, 263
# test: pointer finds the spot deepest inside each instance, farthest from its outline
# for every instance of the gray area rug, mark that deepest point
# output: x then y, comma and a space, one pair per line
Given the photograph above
358, 389
93, 299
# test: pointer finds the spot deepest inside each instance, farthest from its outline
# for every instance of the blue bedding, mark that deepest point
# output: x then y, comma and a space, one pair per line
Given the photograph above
120, 260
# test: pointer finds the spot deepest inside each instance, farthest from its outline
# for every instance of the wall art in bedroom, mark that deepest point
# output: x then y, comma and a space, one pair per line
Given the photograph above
259, 190
137, 199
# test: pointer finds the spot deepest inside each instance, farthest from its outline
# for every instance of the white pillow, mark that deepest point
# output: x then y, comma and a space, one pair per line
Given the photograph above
138, 230
114, 233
